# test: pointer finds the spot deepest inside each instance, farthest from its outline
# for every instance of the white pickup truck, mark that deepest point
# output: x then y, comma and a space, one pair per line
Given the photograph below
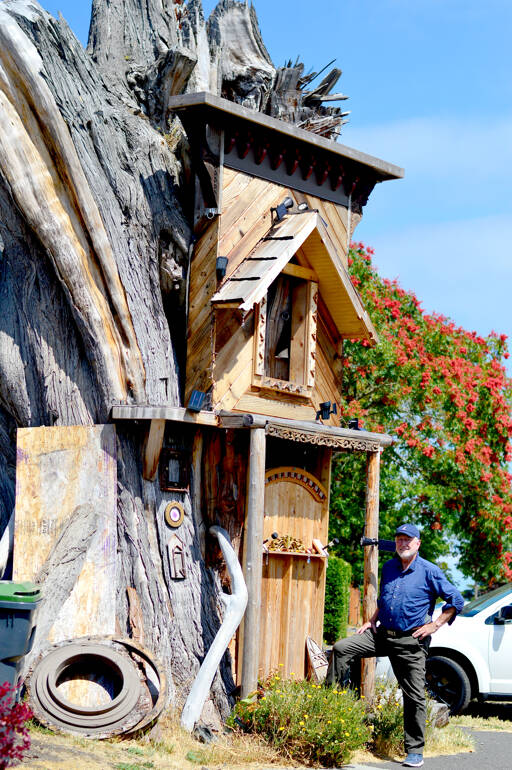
472, 658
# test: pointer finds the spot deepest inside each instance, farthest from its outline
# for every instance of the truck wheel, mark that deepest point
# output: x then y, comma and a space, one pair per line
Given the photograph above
448, 683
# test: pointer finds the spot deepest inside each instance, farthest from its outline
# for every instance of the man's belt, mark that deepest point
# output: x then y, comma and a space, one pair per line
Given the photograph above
398, 634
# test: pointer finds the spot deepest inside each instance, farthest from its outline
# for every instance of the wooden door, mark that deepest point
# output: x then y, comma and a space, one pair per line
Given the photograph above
293, 585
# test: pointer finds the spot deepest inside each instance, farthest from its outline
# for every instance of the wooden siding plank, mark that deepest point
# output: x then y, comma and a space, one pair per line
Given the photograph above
234, 360
299, 334
250, 402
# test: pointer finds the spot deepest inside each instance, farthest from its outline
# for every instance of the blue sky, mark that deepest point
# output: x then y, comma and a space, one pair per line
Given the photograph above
430, 89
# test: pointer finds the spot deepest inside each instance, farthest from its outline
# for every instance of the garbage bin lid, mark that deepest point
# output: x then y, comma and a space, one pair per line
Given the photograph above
10, 591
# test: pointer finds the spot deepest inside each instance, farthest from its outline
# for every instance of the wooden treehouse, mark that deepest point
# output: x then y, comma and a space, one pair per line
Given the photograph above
270, 303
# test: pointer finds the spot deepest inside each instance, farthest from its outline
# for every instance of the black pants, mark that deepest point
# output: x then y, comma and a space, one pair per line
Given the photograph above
407, 656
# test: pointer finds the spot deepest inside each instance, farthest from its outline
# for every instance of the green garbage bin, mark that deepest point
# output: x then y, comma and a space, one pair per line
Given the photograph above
18, 605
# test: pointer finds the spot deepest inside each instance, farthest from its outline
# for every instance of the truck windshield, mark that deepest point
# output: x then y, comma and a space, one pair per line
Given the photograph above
477, 605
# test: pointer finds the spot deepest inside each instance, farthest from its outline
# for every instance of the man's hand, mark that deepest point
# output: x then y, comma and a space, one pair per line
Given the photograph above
430, 628
369, 624
425, 630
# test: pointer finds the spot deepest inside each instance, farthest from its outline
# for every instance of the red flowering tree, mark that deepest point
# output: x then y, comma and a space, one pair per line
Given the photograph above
14, 736
443, 393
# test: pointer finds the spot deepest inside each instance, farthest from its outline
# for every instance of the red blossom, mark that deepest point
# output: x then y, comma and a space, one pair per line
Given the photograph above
444, 394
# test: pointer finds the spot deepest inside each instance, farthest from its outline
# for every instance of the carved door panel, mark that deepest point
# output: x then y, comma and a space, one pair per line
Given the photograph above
293, 584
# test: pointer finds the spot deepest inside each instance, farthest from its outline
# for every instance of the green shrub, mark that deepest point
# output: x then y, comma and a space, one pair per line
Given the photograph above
385, 716
337, 598
306, 722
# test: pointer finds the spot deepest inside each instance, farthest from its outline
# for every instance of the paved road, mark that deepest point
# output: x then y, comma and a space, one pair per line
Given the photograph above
493, 751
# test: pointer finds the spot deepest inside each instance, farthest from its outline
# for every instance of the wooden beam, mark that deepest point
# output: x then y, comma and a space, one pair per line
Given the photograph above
297, 271
253, 560
371, 564
152, 448
148, 412
248, 420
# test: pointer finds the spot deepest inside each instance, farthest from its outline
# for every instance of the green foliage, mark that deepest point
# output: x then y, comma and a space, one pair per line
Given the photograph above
198, 757
348, 485
443, 394
306, 722
386, 717
337, 598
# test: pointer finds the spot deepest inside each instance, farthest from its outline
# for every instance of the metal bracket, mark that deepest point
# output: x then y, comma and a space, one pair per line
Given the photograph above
383, 545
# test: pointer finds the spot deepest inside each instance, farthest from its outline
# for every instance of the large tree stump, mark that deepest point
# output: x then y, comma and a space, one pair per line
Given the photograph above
95, 238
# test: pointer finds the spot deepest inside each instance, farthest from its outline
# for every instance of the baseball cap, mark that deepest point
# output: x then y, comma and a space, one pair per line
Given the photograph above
408, 529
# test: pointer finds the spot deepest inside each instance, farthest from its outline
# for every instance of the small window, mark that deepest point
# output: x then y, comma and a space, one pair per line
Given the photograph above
286, 335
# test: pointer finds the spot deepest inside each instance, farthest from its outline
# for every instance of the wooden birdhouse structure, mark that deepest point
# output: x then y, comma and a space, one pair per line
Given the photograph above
270, 296
270, 302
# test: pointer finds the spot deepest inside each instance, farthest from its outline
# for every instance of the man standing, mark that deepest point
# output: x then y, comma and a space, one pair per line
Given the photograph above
409, 588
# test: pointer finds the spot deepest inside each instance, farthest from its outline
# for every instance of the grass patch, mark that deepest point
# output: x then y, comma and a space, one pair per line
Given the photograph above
448, 740
377, 729
231, 749
37, 729
125, 766
486, 716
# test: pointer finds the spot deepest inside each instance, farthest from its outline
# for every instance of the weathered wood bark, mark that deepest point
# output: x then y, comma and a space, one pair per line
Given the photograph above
94, 249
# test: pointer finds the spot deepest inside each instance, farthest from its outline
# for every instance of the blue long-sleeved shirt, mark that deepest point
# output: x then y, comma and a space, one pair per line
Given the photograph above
407, 597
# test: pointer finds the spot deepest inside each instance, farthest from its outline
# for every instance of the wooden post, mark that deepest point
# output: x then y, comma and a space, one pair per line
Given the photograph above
152, 448
371, 563
253, 560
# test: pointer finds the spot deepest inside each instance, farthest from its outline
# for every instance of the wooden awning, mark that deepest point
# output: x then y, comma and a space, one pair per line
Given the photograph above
304, 432
249, 283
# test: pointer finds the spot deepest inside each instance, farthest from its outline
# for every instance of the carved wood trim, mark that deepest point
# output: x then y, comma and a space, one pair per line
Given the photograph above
283, 386
335, 442
311, 334
259, 337
297, 476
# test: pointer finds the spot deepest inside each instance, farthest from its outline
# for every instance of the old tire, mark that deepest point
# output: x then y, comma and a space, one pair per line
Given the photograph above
134, 706
448, 683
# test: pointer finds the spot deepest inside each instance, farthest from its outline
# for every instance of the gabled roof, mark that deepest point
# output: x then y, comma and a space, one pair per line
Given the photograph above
249, 283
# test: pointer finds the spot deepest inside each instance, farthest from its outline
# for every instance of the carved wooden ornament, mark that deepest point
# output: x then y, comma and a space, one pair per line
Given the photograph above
175, 551
174, 513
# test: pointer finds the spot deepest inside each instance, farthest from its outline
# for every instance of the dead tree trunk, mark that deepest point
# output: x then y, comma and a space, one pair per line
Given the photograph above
94, 247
